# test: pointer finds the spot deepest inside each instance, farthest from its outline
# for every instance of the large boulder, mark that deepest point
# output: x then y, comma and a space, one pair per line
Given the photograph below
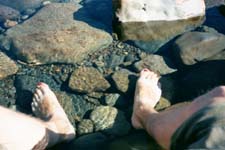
54, 35
194, 47
147, 22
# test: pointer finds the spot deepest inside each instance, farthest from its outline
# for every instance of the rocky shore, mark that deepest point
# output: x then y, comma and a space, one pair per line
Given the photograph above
91, 58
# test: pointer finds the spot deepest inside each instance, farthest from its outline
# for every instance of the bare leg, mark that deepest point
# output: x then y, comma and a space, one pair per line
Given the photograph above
161, 126
19, 131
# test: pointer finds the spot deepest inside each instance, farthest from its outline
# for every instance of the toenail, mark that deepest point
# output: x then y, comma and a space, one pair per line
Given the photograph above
145, 69
39, 83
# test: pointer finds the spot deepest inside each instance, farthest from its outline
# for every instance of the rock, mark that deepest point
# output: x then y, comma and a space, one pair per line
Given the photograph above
52, 36
194, 47
21, 5
114, 60
124, 80
115, 100
218, 56
146, 23
110, 120
87, 80
7, 66
162, 104
7, 13
95, 141
155, 63
10, 23
85, 126
213, 3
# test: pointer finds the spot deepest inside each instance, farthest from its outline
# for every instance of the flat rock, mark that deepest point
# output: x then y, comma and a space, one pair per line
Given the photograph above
146, 23
194, 47
7, 66
53, 35
21, 5
110, 120
155, 63
7, 13
87, 80
124, 80
86, 126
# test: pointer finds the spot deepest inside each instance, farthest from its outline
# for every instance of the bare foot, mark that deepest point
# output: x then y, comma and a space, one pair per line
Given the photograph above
46, 107
147, 94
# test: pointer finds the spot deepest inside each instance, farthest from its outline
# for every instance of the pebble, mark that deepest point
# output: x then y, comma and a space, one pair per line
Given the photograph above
10, 23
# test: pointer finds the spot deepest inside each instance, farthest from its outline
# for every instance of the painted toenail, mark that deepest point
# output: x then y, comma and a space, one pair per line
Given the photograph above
145, 69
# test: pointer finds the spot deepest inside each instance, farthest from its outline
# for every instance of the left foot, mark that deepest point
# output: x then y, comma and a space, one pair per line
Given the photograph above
147, 94
46, 106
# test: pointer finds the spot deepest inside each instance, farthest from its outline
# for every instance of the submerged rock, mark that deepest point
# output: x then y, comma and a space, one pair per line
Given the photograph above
53, 35
85, 126
7, 66
147, 22
87, 80
7, 13
194, 47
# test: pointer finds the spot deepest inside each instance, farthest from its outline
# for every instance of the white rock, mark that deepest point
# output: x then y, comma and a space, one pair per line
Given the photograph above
157, 10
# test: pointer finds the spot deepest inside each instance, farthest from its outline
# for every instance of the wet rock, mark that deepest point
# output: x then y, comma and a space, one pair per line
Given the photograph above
138, 21
10, 23
213, 3
155, 63
162, 104
7, 13
218, 56
124, 80
93, 141
7, 66
52, 36
87, 80
194, 47
85, 126
21, 5
110, 120
116, 100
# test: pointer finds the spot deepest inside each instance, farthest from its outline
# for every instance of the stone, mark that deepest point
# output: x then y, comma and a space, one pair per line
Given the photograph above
194, 47
218, 56
155, 63
10, 23
86, 126
213, 3
124, 80
87, 80
146, 23
7, 13
21, 5
54, 35
115, 100
162, 104
110, 120
114, 60
7, 66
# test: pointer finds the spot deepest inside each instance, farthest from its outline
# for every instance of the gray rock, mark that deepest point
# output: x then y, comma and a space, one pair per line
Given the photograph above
213, 3
124, 80
54, 35
114, 60
86, 126
87, 80
194, 47
115, 100
219, 56
156, 63
21, 5
110, 120
7, 13
95, 141
7, 66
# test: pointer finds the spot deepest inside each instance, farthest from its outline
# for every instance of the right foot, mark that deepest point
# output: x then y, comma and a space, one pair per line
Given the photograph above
147, 94
46, 107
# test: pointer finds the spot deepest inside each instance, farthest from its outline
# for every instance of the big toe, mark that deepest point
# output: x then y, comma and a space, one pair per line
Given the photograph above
149, 75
